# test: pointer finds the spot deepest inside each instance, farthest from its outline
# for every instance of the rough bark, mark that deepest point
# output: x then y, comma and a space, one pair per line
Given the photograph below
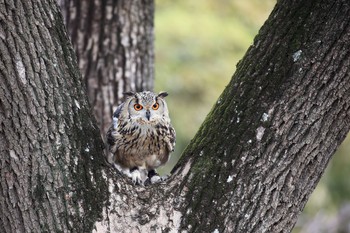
250, 168
264, 146
50, 148
113, 41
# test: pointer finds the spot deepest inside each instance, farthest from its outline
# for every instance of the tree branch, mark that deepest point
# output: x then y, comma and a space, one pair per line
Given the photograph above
264, 146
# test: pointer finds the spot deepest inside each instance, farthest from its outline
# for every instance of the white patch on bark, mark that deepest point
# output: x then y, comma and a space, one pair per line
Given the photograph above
13, 155
297, 55
76, 160
77, 103
229, 179
260, 133
265, 117
2, 34
216, 231
21, 71
91, 176
186, 168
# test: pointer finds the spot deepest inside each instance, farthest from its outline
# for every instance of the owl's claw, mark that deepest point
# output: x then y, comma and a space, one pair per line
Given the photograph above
154, 178
136, 177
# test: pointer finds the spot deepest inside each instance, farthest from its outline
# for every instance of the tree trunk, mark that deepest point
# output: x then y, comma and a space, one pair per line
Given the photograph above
264, 146
250, 168
113, 41
51, 152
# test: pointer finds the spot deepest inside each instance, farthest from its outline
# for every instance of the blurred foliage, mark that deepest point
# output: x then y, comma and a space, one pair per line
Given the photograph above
198, 44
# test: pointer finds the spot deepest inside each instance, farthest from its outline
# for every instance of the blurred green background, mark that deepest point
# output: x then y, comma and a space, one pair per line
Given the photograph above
198, 44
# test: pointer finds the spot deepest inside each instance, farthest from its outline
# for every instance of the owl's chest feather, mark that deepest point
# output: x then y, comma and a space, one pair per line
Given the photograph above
143, 145
143, 137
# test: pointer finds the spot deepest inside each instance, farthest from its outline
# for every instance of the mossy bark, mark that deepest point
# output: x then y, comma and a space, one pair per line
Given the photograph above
265, 144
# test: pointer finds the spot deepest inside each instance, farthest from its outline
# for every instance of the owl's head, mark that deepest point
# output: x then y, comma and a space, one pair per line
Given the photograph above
147, 107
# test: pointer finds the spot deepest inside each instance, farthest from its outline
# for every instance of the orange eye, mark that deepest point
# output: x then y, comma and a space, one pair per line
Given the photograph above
138, 107
155, 106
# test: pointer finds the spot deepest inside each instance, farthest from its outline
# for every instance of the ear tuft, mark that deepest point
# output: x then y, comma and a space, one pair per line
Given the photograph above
163, 94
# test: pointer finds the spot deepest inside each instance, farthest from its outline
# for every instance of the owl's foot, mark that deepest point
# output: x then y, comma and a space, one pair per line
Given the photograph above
154, 178
136, 176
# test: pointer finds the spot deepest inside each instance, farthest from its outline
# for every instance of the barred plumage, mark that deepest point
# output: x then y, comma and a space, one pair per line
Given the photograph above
141, 137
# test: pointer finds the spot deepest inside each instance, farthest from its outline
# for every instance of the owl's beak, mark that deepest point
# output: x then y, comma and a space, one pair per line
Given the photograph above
148, 114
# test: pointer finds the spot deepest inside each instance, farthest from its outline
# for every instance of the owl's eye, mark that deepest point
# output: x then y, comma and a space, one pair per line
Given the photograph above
138, 107
155, 106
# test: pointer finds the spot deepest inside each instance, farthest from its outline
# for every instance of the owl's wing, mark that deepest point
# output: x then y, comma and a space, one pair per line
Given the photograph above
172, 139
116, 115
111, 131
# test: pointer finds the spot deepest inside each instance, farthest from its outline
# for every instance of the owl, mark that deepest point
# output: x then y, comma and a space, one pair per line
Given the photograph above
141, 137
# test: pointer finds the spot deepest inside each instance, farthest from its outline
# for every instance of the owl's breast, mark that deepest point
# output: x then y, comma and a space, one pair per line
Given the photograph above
142, 147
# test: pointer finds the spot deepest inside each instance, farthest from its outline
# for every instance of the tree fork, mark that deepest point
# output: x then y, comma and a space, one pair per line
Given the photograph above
250, 168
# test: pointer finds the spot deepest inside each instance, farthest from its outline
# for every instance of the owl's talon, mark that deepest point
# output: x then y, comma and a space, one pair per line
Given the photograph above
164, 178
136, 177
155, 179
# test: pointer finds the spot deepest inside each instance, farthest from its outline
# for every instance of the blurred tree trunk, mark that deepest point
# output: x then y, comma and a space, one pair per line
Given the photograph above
113, 41
250, 168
